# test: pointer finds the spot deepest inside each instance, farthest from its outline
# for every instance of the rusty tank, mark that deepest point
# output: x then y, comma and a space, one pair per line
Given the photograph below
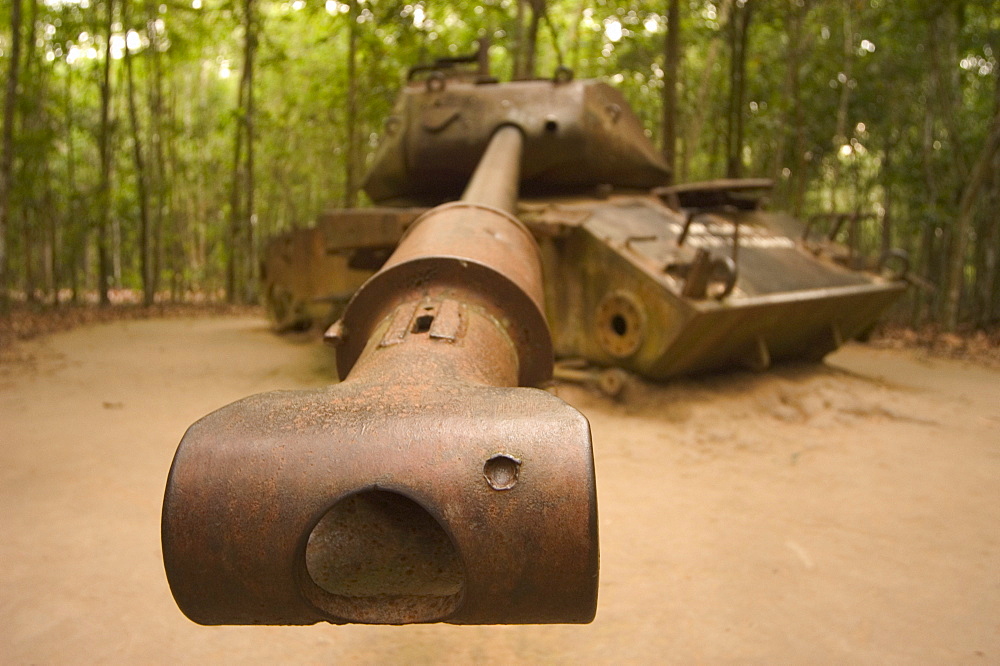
514, 223
640, 275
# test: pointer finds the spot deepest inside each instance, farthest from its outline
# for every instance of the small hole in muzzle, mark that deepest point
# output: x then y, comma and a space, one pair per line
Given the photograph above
422, 324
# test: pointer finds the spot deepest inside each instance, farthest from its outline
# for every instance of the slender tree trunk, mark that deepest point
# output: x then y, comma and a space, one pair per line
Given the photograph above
145, 258
840, 134
250, 255
942, 46
987, 248
887, 203
739, 31
241, 200
931, 228
790, 149
531, 42
33, 158
671, 60
963, 224
943, 49
179, 222
922, 265
574, 37
7, 158
988, 274
519, 40
236, 203
843, 104
53, 240
104, 148
157, 179
76, 235
233, 284
692, 138
351, 158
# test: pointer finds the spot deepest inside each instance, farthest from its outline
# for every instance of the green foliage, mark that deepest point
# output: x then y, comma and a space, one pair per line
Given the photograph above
862, 105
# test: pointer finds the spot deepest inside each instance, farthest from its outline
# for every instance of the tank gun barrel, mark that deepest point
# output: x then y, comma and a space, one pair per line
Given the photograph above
495, 180
429, 485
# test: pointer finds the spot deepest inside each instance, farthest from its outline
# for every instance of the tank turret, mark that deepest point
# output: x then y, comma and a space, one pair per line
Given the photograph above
579, 135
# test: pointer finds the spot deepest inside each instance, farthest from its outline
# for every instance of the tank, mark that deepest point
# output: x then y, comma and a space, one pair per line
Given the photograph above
653, 278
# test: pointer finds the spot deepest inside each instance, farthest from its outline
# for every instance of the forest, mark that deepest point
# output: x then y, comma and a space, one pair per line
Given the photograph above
151, 147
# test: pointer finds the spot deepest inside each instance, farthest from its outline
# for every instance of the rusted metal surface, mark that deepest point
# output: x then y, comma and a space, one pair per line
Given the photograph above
639, 301
309, 275
738, 193
609, 381
579, 135
658, 280
426, 486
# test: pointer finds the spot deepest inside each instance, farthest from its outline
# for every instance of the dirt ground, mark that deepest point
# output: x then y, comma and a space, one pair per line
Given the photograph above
842, 513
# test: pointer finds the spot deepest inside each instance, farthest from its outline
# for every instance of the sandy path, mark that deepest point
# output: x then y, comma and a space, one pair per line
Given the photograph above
813, 515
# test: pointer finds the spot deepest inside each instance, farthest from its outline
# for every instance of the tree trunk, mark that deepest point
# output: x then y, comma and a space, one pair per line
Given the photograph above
943, 50
790, 149
157, 171
932, 223
963, 224
27, 242
145, 258
531, 42
671, 60
923, 267
233, 285
988, 274
351, 159
179, 222
104, 185
250, 256
53, 240
74, 237
843, 104
887, 176
7, 158
238, 285
574, 37
987, 251
33, 157
519, 40
694, 128
739, 32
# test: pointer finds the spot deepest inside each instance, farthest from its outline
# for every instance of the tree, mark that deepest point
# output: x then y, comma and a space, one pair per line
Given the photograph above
739, 36
963, 223
7, 157
145, 258
528, 46
241, 242
351, 98
671, 59
104, 148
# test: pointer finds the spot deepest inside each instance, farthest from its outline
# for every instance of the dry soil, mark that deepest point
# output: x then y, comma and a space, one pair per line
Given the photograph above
839, 513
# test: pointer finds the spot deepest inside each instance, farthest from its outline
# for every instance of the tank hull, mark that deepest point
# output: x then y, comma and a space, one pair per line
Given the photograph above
618, 282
